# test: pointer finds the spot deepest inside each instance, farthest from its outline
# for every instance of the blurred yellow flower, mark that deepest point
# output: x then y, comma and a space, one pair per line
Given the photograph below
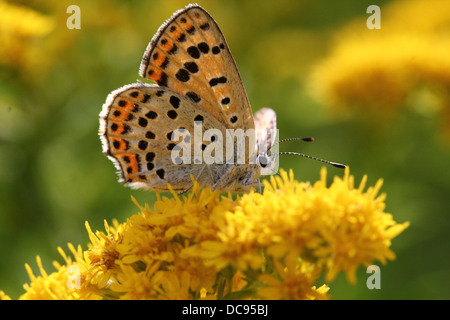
274, 245
405, 63
34, 42
21, 28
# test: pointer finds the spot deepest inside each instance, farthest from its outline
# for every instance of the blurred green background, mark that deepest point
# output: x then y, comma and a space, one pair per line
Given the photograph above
53, 82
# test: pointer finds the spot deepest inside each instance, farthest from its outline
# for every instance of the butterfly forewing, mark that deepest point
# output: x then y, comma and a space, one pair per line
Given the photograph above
189, 55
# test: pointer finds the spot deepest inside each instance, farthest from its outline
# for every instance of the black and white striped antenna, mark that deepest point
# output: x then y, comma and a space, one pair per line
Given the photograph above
308, 139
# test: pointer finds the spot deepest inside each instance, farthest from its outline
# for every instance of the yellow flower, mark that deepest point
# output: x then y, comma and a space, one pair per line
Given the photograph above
403, 64
338, 227
357, 231
293, 281
4, 296
34, 37
103, 254
273, 245
58, 285
176, 286
136, 284
18, 26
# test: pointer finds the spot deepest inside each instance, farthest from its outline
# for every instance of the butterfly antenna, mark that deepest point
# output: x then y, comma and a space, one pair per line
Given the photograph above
334, 164
307, 139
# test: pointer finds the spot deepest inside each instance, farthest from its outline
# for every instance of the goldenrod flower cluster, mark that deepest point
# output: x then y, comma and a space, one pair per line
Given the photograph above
406, 63
275, 245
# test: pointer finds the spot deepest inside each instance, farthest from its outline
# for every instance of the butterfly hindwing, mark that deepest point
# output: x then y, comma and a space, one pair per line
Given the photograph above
265, 126
136, 127
189, 55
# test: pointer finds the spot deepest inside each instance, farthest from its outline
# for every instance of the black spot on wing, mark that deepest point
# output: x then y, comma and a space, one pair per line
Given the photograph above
192, 67
160, 173
172, 114
182, 75
205, 26
193, 96
193, 52
175, 102
203, 47
215, 81
163, 80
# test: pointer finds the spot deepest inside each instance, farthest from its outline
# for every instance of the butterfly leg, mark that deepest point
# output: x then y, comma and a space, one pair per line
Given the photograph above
254, 183
185, 190
223, 179
196, 179
275, 172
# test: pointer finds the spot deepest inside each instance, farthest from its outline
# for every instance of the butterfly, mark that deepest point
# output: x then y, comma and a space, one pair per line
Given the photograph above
197, 87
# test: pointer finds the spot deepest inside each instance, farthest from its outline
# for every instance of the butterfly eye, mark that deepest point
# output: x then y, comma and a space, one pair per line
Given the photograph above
263, 160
